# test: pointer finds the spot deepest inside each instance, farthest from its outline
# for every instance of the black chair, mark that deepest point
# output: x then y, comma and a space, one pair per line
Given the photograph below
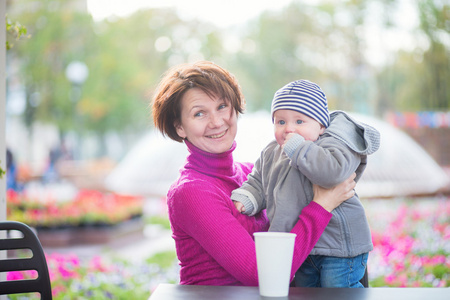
37, 261
365, 280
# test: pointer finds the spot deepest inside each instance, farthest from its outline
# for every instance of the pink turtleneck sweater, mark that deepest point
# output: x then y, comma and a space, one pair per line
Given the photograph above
214, 242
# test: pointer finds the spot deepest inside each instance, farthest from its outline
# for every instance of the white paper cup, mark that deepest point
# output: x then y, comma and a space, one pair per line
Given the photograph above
274, 251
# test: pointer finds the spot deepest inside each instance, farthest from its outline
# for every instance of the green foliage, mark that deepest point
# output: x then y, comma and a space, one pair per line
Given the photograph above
2, 172
164, 259
124, 64
159, 220
419, 80
303, 41
16, 31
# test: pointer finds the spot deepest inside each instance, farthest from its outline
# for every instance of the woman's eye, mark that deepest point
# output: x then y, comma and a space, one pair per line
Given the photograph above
299, 122
198, 114
222, 106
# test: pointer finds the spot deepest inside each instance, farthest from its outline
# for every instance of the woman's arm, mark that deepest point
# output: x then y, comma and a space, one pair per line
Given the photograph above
228, 242
331, 198
217, 230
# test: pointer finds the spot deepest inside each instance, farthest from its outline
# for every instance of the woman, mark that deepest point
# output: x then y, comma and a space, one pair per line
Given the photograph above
199, 104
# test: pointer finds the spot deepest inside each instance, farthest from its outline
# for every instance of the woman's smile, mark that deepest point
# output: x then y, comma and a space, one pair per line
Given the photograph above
216, 136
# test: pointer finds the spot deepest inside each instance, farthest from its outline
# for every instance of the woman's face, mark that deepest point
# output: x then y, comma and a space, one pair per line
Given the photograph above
209, 123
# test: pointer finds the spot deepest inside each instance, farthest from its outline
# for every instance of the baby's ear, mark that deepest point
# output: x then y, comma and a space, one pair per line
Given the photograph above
322, 129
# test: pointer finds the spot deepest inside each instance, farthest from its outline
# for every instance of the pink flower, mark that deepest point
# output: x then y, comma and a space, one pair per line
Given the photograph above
15, 275
58, 289
73, 260
437, 260
32, 274
65, 273
400, 266
389, 279
20, 275
416, 284
63, 266
441, 283
403, 280
97, 264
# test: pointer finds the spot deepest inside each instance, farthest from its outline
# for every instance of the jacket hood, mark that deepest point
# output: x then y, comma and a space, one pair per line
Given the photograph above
360, 137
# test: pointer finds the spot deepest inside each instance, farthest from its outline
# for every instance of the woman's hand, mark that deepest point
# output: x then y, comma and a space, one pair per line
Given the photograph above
329, 199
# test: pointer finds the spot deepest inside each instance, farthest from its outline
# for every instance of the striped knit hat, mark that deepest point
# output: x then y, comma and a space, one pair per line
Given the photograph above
305, 97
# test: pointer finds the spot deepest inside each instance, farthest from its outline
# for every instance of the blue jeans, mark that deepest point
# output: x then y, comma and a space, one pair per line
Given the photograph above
329, 271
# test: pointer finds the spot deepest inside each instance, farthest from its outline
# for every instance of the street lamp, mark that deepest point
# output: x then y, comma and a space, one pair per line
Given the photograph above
77, 73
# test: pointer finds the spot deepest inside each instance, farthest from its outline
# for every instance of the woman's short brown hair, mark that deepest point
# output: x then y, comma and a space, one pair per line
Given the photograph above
207, 76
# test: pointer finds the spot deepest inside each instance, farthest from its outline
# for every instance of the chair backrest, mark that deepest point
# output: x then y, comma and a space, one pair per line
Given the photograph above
36, 262
365, 280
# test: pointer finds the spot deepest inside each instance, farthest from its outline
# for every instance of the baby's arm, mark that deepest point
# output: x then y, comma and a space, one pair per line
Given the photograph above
249, 198
239, 206
246, 201
326, 162
288, 137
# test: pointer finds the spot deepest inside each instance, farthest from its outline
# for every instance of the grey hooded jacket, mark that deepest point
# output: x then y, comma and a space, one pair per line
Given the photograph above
281, 182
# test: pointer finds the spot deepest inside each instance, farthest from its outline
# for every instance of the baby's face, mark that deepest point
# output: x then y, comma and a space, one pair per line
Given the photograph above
289, 121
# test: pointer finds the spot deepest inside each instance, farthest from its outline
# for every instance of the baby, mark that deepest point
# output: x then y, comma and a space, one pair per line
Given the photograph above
312, 146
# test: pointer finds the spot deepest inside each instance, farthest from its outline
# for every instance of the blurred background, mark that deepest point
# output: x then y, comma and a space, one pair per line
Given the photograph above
80, 139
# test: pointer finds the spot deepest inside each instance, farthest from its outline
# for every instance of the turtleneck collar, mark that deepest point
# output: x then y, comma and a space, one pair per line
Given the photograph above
210, 163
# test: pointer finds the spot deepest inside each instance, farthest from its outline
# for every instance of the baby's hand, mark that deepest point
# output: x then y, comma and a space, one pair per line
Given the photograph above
287, 138
239, 206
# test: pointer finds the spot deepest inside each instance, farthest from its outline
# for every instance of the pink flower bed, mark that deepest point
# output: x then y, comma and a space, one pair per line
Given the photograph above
88, 207
411, 249
99, 278
411, 242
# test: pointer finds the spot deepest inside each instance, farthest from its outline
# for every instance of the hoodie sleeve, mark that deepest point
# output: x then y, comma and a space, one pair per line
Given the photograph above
326, 162
251, 193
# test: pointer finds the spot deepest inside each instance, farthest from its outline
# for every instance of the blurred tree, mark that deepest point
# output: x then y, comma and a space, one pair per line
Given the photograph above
325, 43
59, 36
135, 51
131, 54
310, 42
420, 80
435, 86
125, 58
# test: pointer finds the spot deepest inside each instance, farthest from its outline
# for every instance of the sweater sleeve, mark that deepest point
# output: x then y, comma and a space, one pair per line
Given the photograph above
227, 241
